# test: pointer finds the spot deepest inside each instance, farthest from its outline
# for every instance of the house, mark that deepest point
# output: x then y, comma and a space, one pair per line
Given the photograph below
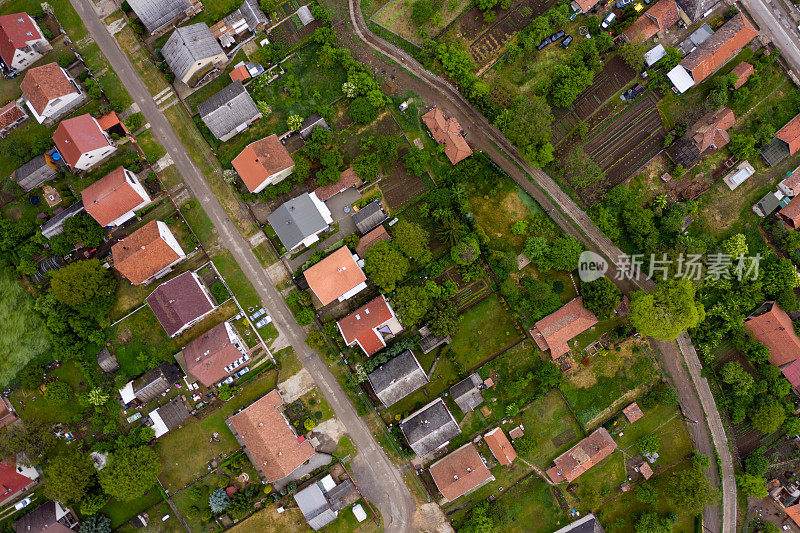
169, 416
180, 303
158, 14
790, 186
500, 446
517, 432
348, 178
448, 133
644, 469
35, 172
192, 52
397, 378
49, 92
248, 17
215, 355
369, 217
719, 48
269, 440
82, 143
582, 456
16, 478
772, 327
711, 131
7, 415
240, 73
369, 240
769, 203
107, 361
263, 162
310, 124
229, 111
49, 517
429, 428
369, 325
743, 72
321, 501
586, 524
114, 199
460, 472
22, 42
299, 222
555, 330
466, 393
656, 20
789, 135
337, 277
55, 225
148, 253
11, 115
633, 412
791, 213
151, 384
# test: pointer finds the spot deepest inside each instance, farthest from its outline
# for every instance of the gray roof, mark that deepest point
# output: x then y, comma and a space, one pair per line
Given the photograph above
768, 203
397, 378
43, 518
466, 394
187, 45
174, 413
311, 123
155, 381
342, 495
369, 217
156, 14
587, 524
430, 341
296, 220
107, 361
430, 427
34, 173
250, 12
228, 109
55, 226
315, 507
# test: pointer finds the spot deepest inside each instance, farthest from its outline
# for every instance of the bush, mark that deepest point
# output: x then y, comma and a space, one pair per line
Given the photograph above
58, 393
65, 61
192, 513
309, 424
305, 316
220, 292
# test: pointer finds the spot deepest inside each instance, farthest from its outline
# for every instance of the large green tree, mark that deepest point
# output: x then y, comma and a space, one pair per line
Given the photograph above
97, 523
650, 522
667, 311
528, 124
413, 241
34, 439
601, 297
130, 472
767, 414
751, 485
85, 286
412, 303
68, 476
564, 253
691, 490
385, 265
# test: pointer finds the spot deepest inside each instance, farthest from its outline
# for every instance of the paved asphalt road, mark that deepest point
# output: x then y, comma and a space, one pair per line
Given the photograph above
773, 20
375, 475
696, 399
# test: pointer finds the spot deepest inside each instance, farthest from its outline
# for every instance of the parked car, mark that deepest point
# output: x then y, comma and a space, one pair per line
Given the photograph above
22, 504
544, 43
573, 16
622, 3
608, 20
241, 372
228, 380
258, 313
566, 42
263, 322
557, 35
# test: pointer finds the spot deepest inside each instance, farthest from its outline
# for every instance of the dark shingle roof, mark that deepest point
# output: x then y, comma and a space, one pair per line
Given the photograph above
228, 109
155, 14
397, 378
369, 217
430, 427
55, 226
587, 524
296, 220
107, 361
34, 173
187, 45
174, 413
466, 394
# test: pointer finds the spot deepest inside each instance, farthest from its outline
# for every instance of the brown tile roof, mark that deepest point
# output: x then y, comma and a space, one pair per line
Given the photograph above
179, 301
76, 136
261, 159
334, 276
791, 372
711, 129
771, 326
371, 239
45, 83
110, 197
10, 113
553, 331
501, 448
719, 48
6, 416
582, 456
791, 213
109, 120
586, 5
460, 472
790, 134
448, 133
269, 439
15, 31
633, 412
347, 179
645, 470
360, 325
743, 71
240, 73
658, 18
207, 356
143, 254
793, 512
517, 432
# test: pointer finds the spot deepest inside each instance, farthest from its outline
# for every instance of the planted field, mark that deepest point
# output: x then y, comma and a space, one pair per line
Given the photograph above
400, 188
469, 292
292, 31
396, 17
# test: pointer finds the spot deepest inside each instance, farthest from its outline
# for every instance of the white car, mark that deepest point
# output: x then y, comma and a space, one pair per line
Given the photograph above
608, 20
228, 380
22, 504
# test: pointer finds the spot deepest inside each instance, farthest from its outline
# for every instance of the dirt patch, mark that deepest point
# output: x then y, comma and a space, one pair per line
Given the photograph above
563, 438
430, 518
400, 188
396, 17
297, 385
124, 336
14, 213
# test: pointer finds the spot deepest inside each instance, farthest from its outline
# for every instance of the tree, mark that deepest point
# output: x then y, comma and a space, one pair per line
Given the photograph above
302, 167
416, 161
85, 286
92, 503
691, 490
97, 397
130, 472
58, 393
412, 303
528, 124
68, 476
385, 265
443, 318
738, 378
751, 485
295, 122
650, 522
565, 252
601, 297
767, 415
362, 111
83, 228
218, 501
633, 54
666, 312
34, 439
466, 251
743, 146
97, 523
650, 443
646, 493
413, 241
735, 246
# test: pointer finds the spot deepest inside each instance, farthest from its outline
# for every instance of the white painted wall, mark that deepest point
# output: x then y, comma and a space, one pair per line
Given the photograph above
56, 105
275, 178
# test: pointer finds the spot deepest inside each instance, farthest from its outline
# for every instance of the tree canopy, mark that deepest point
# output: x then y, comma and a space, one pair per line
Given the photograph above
601, 297
667, 311
85, 286
413, 241
68, 476
385, 265
130, 472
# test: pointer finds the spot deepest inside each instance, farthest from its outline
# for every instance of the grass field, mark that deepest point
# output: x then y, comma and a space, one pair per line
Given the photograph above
238, 283
496, 213
121, 513
483, 330
396, 16
550, 423
35, 405
529, 507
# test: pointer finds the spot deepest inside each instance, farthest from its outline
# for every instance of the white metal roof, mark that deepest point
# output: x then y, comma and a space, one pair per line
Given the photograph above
653, 55
158, 424
359, 513
681, 79
127, 393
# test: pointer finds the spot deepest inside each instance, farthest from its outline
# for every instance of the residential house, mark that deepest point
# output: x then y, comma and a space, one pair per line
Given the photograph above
698, 36
114, 199
370, 325
337, 277
369, 217
772, 327
769, 203
347, 179
785, 143
49, 92
214, 355
791, 214
556, 329
148, 253
633, 412
16, 478
248, 17
743, 72
719, 48
192, 52
169, 416
466, 393
586, 5
397, 378
586, 524
310, 124
35, 172
50, 517
299, 222
263, 162
55, 225
11, 115
269, 440
321, 501
151, 384
500, 446
790, 185
460, 472
656, 20
369, 240
7, 415
22, 42
82, 143
107, 361
429, 428
582, 456
180, 303
229, 111
448, 132
711, 131
158, 14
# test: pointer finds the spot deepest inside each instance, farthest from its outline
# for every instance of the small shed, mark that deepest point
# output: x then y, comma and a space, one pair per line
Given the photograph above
645, 470
466, 393
654, 55
633, 412
370, 217
107, 361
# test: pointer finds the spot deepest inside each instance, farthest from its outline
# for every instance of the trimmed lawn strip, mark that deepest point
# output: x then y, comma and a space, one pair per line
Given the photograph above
484, 329
121, 513
288, 363
198, 220
238, 283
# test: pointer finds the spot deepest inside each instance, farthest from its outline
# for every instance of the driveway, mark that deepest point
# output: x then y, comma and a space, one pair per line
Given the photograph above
377, 478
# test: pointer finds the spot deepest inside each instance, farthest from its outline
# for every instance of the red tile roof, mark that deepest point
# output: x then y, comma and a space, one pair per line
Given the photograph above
586, 5
793, 512
110, 197
11, 481
582, 456
261, 159
790, 134
771, 326
633, 412
272, 444
360, 325
711, 129
743, 71
143, 254
448, 133
372, 238
15, 31
501, 448
661, 16
517, 432
109, 120
76, 136
6, 415
207, 356
179, 301
719, 48
792, 373
645, 470
791, 213
553, 331
334, 276
45, 83
10, 113
460, 472
240, 73
347, 179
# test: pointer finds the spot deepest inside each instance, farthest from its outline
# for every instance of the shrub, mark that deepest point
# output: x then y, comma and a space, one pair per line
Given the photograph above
305, 316
309, 424
192, 513
218, 501
58, 393
220, 292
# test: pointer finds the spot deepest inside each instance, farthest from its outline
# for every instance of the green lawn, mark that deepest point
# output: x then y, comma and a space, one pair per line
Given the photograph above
288, 363
199, 221
238, 283
528, 508
35, 405
157, 524
121, 512
346, 521
152, 150
483, 330
598, 483
551, 425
